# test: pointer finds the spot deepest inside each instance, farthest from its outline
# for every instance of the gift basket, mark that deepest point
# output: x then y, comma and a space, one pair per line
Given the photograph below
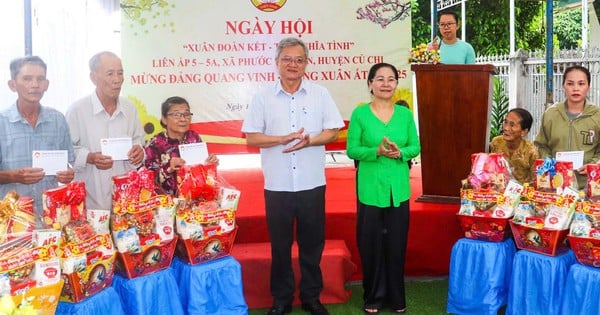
142, 225
87, 255
488, 198
205, 217
30, 277
542, 218
584, 233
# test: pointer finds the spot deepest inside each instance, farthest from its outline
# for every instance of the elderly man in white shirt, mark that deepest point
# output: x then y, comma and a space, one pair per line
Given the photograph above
104, 114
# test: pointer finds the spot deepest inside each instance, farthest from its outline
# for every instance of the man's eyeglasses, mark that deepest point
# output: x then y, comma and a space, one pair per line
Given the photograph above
181, 115
287, 60
446, 25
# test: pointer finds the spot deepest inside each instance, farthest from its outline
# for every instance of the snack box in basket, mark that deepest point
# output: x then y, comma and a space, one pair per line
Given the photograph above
194, 251
88, 267
43, 299
22, 268
151, 259
489, 229
540, 240
586, 249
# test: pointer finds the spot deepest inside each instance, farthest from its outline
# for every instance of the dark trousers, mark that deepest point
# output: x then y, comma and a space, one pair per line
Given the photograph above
307, 210
382, 234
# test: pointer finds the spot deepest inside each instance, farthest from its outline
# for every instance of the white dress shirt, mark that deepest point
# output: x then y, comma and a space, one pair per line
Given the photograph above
89, 122
275, 112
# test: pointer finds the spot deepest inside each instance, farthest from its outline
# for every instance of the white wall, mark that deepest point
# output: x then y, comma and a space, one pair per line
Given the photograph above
11, 24
65, 34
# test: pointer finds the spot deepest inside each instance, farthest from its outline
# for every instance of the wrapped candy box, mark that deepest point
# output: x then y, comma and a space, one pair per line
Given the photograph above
489, 172
142, 225
593, 182
64, 204
553, 176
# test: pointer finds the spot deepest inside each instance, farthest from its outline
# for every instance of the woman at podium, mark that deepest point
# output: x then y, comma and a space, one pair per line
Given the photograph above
382, 136
452, 50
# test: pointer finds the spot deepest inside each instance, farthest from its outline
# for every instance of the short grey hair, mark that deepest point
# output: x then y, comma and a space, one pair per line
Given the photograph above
95, 60
18, 63
289, 42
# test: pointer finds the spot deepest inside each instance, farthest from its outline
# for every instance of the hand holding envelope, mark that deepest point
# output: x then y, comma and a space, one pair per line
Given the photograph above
116, 148
194, 153
51, 161
571, 156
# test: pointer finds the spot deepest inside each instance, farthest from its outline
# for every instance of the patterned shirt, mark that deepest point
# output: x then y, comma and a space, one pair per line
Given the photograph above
17, 141
521, 160
159, 151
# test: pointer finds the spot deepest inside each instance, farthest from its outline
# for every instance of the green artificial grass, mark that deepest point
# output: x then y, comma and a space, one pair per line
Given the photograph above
423, 297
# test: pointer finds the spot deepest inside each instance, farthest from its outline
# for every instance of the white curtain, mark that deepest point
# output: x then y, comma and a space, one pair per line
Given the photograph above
13, 45
65, 33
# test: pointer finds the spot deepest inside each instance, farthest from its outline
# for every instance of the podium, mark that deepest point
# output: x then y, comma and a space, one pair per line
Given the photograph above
454, 105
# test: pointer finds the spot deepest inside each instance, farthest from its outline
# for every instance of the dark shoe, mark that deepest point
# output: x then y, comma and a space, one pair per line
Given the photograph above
315, 308
279, 310
371, 311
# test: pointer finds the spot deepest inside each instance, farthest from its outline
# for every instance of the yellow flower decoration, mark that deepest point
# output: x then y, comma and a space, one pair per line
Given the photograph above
423, 53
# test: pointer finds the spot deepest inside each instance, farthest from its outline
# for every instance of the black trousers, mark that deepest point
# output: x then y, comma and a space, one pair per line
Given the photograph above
305, 209
381, 235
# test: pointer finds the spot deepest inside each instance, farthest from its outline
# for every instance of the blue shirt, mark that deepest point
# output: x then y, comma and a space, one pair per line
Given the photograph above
18, 140
460, 52
274, 112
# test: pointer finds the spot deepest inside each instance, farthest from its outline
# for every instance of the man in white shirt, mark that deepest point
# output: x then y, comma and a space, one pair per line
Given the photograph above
104, 114
291, 121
